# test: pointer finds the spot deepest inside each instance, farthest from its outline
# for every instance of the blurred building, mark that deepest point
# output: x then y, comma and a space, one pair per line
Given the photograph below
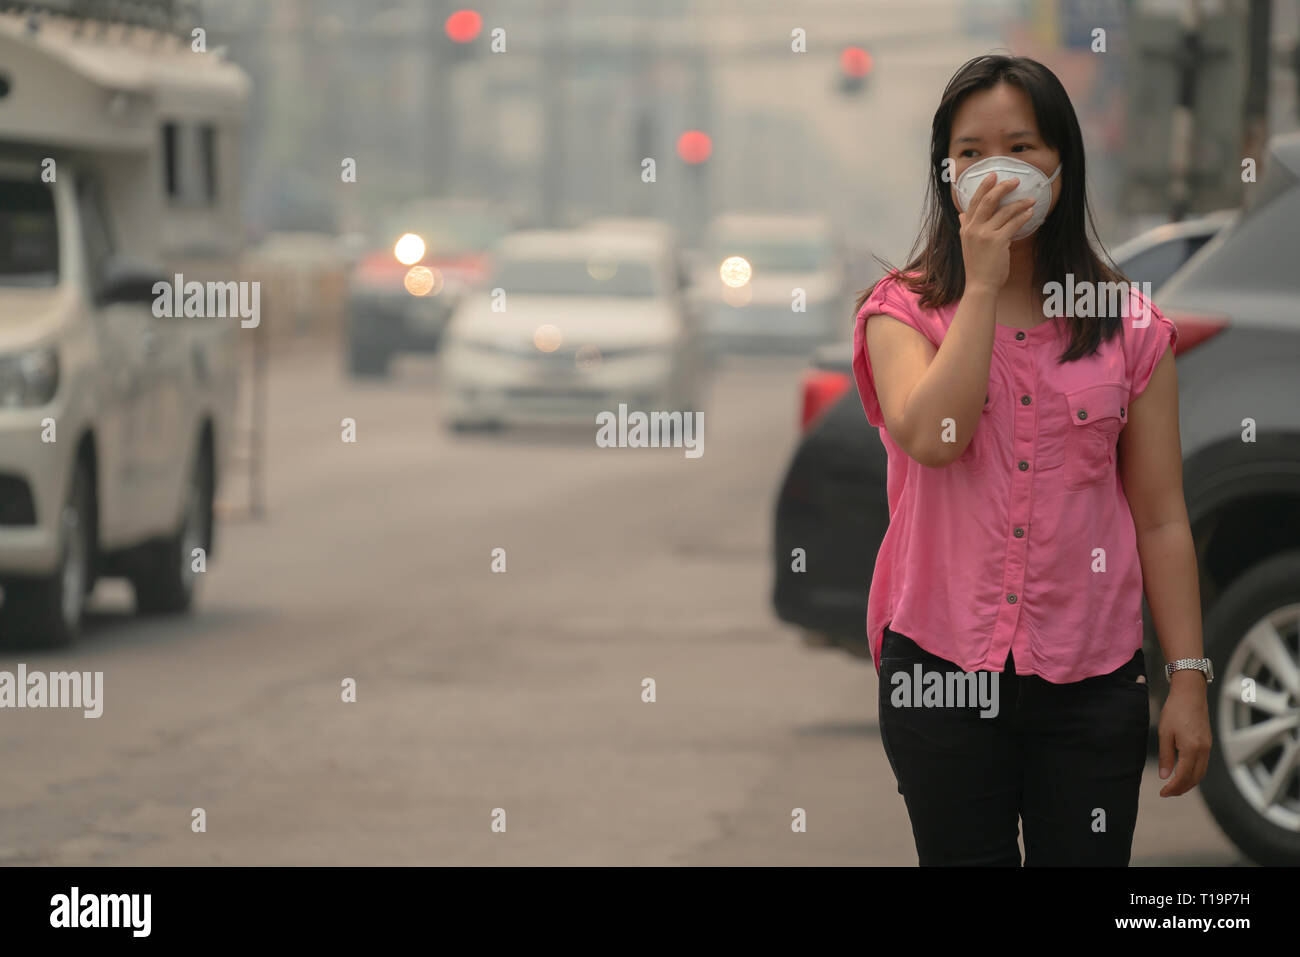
556, 126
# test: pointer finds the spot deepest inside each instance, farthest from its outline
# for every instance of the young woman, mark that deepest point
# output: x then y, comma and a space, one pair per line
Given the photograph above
1035, 490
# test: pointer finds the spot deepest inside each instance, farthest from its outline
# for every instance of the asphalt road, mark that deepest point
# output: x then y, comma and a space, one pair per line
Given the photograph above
479, 690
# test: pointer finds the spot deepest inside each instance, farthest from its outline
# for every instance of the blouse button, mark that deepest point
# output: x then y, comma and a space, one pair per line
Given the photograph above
1020, 336
1024, 466
1020, 533
1024, 400
1083, 413
1011, 599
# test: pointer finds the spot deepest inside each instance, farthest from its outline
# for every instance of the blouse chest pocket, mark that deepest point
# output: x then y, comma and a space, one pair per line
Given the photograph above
1097, 415
976, 454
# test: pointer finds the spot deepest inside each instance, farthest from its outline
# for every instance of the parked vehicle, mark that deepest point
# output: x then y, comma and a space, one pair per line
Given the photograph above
1156, 254
389, 315
117, 171
1234, 293
1238, 305
572, 323
770, 283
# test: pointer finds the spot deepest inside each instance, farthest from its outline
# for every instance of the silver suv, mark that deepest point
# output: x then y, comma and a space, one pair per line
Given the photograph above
1238, 302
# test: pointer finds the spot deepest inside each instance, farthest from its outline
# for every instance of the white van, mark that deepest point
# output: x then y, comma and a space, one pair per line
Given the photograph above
117, 172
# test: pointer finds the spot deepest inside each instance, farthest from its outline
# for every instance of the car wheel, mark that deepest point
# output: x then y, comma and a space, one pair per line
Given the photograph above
1252, 786
46, 612
165, 580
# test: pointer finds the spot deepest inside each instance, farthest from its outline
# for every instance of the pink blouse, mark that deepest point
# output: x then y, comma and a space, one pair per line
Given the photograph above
1025, 543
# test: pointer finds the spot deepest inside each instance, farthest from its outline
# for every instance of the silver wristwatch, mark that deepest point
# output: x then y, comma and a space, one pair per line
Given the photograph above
1198, 664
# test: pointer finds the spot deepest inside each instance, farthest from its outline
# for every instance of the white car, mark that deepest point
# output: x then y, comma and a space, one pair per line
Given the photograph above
571, 323
114, 422
769, 282
646, 225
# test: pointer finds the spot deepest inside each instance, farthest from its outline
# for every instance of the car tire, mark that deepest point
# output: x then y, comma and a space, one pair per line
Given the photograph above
1267, 595
164, 579
46, 612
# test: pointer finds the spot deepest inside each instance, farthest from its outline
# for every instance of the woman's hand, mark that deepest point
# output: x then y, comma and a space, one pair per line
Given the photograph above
986, 232
1185, 729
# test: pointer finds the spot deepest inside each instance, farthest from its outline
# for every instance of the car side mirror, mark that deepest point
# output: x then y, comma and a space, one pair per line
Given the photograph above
128, 281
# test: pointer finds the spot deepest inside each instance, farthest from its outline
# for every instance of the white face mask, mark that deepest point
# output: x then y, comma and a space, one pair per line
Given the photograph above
1033, 185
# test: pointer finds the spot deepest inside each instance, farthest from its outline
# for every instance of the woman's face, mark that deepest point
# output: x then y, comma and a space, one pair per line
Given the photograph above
1000, 121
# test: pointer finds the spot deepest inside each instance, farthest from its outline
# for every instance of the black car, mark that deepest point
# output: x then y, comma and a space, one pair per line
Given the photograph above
1233, 290
403, 290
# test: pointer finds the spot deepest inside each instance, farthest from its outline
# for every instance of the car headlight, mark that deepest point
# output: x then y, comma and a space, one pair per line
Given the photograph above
28, 378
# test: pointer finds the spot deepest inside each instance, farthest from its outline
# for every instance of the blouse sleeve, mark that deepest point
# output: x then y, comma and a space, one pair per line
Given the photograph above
1147, 333
891, 298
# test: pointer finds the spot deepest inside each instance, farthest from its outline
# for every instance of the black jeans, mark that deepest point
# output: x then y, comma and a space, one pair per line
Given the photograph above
1065, 760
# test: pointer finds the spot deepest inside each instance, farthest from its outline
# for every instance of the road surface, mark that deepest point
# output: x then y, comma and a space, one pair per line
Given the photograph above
478, 690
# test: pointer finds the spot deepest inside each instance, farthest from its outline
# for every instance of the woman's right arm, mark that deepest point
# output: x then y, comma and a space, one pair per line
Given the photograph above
920, 387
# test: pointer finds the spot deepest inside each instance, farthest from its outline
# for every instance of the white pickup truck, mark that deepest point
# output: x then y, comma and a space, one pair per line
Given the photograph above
117, 172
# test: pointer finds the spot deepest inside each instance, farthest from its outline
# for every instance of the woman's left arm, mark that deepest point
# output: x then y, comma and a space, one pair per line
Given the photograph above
1151, 469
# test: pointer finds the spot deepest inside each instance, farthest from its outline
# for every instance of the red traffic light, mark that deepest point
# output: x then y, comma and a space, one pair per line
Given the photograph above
694, 146
464, 25
855, 62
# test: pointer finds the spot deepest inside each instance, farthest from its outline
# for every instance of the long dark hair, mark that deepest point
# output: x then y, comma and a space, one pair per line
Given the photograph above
1064, 242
